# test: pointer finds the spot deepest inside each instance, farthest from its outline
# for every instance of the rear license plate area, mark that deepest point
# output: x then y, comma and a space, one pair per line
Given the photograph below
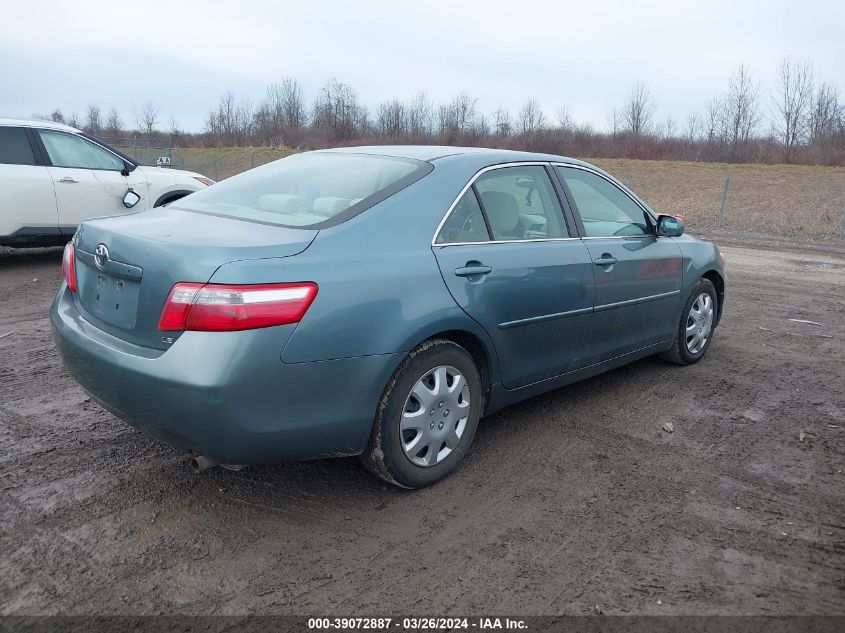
112, 299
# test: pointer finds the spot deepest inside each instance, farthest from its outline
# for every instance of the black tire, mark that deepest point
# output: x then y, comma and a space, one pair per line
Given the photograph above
384, 455
679, 353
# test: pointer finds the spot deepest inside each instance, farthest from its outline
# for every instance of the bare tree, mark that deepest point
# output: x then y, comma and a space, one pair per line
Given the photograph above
146, 118
74, 120
113, 124
713, 119
94, 122
281, 117
740, 108
564, 118
792, 103
614, 120
337, 111
464, 111
692, 131
531, 118
481, 129
419, 116
57, 116
294, 117
826, 115
392, 118
502, 123
669, 127
458, 117
638, 111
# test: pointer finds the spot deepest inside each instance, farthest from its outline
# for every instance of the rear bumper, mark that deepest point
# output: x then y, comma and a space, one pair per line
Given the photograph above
226, 395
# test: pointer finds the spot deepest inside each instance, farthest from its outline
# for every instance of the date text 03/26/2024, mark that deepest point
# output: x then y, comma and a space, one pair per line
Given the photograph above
416, 624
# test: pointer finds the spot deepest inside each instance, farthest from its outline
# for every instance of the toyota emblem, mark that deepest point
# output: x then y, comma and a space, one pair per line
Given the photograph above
101, 256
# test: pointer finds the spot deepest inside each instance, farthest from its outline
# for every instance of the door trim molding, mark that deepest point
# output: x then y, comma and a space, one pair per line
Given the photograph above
630, 302
507, 325
543, 318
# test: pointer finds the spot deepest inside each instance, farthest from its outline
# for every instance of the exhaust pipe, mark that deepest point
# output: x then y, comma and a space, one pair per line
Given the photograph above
201, 463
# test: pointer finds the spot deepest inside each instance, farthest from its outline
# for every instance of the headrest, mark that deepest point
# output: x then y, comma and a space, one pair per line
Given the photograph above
281, 203
502, 211
330, 205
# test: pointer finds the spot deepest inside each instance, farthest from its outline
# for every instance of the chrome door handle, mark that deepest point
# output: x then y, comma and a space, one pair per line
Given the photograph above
605, 260
68, 179
474, 269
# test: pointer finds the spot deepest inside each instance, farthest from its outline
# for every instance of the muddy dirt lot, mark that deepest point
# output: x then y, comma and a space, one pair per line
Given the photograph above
568, 501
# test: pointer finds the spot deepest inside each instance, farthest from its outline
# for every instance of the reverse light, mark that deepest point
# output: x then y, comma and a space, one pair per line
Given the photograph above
224, 308
69, 266
206, 181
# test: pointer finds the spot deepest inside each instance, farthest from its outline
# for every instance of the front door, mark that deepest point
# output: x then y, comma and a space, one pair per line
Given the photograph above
88, 179
508, 260
637, 274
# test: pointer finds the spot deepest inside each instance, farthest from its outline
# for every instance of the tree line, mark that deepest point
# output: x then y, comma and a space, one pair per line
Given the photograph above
799, 119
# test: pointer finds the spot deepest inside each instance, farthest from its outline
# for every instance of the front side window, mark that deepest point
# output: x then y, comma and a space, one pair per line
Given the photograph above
520, 203
307, 190
71, 150
605, 209
14, 147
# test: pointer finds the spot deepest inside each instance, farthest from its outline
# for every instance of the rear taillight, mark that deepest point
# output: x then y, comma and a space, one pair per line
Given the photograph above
219, 308
69, 266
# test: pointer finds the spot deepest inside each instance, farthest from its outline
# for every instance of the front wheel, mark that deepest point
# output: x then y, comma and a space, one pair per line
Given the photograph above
695, 330
427, 416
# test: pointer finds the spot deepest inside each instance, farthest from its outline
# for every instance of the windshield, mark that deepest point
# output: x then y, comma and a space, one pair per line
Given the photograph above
310, 190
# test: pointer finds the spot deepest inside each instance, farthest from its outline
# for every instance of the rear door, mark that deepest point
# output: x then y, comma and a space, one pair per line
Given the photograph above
508, 259
88, 178
637, 274
27, 198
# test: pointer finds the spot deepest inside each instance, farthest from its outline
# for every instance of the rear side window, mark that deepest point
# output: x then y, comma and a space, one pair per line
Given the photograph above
71, 150
465, 223
310, 190
520, 203
14, 147
605, 209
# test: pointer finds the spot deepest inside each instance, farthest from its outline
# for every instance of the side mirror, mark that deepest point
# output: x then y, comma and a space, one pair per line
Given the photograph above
670, 226
131, 199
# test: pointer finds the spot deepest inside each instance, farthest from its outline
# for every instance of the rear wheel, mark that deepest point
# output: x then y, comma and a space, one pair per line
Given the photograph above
427, 416
695, 330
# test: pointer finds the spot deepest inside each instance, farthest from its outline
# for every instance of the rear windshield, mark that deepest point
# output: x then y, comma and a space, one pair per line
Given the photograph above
311, 190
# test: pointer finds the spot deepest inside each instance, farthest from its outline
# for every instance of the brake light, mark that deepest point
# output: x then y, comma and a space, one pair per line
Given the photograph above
222, 308
69, 266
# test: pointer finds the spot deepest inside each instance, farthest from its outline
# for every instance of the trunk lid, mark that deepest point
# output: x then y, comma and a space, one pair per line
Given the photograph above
124, 284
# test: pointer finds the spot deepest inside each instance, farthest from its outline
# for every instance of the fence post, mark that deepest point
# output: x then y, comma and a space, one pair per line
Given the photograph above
722, 207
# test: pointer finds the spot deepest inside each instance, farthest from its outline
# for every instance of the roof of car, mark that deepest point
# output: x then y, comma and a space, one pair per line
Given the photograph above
50, 125
435, 152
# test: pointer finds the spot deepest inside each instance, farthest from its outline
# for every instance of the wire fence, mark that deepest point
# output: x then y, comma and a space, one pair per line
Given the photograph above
785, 201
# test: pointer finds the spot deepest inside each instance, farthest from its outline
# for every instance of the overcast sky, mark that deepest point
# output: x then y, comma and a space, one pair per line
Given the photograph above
183, 55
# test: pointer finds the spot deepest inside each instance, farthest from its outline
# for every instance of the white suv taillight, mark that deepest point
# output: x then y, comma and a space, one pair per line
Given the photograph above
69, 266
223, 308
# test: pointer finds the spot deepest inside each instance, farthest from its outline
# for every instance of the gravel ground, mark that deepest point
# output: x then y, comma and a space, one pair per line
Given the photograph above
569, 501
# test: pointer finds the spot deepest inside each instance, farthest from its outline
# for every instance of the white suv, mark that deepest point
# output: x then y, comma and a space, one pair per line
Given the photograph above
53, 176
